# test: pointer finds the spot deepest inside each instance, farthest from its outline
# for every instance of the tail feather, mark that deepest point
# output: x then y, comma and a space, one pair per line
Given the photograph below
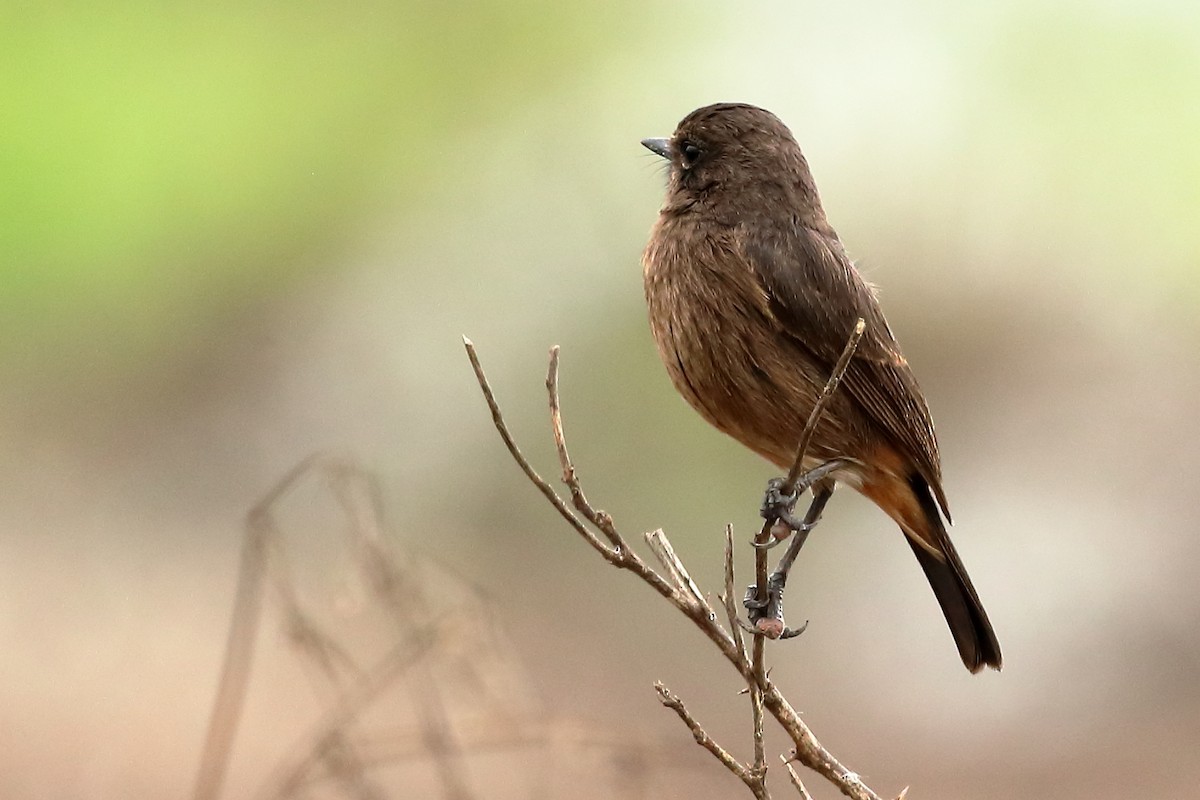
952, 587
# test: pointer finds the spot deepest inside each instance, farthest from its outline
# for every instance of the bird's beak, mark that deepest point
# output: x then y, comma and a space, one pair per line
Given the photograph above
661, 147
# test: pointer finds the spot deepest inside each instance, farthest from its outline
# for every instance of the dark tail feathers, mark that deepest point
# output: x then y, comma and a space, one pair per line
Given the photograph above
968, 621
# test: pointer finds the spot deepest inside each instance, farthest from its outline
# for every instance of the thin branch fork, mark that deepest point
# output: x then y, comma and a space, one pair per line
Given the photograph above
753, 777
678, 588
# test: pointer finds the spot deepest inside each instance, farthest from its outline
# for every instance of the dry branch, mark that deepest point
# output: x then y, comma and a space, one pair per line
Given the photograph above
679, 589
755, 779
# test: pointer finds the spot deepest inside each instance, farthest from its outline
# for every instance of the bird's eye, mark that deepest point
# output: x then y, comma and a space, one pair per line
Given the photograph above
689, 152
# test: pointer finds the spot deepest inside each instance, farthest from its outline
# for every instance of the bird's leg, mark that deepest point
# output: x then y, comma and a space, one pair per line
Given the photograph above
821, 494
777, 506
771, 607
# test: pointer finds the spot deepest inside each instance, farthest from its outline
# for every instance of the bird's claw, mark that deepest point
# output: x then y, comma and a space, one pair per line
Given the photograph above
781, 530
776, 509
766, 614
767, 545
777, 504
753, 604
792, 633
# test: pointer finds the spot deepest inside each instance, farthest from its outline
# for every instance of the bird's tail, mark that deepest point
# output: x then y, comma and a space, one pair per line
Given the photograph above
922, 523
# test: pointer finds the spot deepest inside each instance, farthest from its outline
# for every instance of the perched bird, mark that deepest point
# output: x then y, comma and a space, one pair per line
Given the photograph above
752, 298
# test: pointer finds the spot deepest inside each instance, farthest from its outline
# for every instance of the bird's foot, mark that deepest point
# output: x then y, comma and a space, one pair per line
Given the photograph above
781, 530
766, 613
777, 506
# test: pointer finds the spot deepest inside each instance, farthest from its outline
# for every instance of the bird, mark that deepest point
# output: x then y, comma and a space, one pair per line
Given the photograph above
751, 298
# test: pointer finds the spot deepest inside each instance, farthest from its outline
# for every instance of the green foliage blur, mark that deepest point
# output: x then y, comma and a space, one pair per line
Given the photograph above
166, 164
1100, 111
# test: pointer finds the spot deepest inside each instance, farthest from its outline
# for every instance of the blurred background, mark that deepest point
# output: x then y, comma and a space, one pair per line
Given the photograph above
235, 236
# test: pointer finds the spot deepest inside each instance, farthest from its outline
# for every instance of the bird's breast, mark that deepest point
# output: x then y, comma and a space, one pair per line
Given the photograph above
721, 346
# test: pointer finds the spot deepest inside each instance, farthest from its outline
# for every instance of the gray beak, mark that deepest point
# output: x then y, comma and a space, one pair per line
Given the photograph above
661, 147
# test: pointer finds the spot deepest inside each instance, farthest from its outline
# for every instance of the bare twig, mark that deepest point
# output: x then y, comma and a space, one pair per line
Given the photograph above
618, 554
754, 780
731, 610
677, 574
818, 410
756, 709
799, 784
600, 519
809, 750
611, 554
759, 767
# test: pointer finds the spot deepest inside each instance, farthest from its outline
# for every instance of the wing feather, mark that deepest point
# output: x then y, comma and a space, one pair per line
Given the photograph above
816, 295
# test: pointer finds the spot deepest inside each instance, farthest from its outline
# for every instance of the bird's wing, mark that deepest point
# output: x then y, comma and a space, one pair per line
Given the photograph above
816, 296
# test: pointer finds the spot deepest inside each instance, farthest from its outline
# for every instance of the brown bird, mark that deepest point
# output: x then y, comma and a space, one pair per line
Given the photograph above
751, 300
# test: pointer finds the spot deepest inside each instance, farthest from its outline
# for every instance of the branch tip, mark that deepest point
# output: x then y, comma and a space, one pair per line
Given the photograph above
796, 782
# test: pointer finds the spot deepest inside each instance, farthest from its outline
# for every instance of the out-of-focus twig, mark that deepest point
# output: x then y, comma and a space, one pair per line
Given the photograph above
469, 695
239, 645
330, 751
295, 770
235, 674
